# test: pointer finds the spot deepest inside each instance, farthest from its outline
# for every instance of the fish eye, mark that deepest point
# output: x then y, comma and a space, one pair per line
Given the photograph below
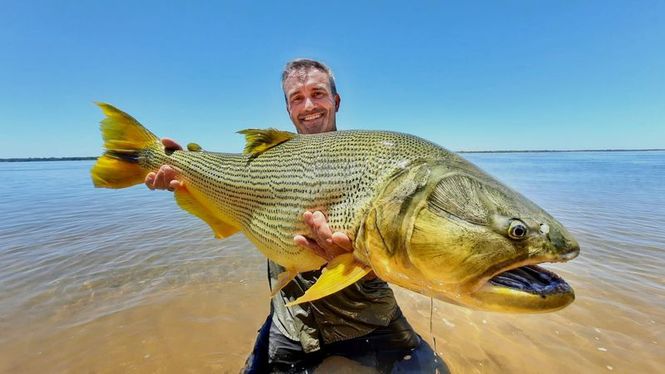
517, 229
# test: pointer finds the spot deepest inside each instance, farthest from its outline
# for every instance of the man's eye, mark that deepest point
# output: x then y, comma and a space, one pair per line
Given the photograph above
317, 95
296, 99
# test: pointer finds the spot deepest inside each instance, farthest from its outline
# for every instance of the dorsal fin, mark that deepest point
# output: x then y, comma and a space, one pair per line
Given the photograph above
261, 140
193, 147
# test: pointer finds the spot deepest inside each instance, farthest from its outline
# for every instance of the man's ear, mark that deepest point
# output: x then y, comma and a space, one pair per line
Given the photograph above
338, 99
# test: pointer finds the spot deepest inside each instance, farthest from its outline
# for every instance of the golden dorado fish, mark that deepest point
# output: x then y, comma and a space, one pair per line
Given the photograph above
419, 216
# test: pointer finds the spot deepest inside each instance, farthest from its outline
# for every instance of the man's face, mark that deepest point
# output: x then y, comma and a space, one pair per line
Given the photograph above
310, 103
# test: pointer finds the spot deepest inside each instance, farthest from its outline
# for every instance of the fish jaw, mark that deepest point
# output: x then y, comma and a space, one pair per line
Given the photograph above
522, 286
524, 289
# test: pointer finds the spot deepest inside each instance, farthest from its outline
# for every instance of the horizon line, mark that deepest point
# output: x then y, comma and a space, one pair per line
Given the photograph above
83, 158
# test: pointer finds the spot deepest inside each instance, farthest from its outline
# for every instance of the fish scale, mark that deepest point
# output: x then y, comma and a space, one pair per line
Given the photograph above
337, 173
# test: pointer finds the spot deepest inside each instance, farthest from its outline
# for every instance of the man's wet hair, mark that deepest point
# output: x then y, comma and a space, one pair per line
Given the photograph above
306, 64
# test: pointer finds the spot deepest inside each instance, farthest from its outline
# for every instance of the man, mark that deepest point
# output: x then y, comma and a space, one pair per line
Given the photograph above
361, 322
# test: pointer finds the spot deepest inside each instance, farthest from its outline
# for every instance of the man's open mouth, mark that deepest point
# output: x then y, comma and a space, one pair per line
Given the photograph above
311, 117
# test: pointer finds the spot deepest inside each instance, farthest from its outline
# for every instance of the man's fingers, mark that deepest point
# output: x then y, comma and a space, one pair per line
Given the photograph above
324, 236
302, 241
324, 242
322, 231
307, 217
164, 179
150, 180
160, 180
175, 184
313, 221
342, 240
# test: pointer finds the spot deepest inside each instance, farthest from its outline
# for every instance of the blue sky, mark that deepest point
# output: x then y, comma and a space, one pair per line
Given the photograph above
489, 75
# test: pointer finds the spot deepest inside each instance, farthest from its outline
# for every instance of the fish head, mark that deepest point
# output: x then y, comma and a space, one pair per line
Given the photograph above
451, 231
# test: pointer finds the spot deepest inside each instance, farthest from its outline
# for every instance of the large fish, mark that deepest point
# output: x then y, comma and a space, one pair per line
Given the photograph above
419, 216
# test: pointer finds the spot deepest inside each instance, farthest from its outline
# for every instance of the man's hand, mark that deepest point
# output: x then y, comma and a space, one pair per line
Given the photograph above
165, 178
324, 242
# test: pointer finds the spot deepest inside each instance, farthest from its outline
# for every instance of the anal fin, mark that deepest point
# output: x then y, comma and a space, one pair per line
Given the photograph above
187, 201
343, 271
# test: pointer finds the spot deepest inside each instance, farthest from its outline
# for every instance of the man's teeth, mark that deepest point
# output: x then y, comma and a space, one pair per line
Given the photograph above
312, 116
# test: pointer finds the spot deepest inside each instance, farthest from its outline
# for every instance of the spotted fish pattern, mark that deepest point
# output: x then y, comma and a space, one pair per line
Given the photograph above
265, 196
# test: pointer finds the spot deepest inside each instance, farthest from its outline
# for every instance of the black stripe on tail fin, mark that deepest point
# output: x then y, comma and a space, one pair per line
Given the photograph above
124, 139
127, 156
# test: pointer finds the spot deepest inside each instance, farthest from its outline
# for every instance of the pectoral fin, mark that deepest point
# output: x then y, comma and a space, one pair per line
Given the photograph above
341, 272
187, 201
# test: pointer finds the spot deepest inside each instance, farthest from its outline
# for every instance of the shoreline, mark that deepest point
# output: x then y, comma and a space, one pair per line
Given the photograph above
30, 159
568, 150
87, 158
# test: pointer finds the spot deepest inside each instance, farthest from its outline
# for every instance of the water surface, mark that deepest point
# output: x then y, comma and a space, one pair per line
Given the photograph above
95, 280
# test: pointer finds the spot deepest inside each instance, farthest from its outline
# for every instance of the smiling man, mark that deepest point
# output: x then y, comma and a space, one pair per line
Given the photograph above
311, 98
362, 322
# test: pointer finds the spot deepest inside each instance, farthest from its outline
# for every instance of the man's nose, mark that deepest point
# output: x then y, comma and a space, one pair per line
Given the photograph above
308, 103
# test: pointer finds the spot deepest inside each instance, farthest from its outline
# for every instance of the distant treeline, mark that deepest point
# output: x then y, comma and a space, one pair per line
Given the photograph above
568, 150
20, 159
507, 151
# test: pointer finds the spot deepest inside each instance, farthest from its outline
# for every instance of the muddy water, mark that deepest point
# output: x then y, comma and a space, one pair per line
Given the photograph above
123, 281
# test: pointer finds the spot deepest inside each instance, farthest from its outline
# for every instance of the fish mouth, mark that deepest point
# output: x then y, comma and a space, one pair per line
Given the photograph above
526, 287
532, 279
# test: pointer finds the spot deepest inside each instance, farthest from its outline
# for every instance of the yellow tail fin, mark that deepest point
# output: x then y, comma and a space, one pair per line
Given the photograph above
124, 139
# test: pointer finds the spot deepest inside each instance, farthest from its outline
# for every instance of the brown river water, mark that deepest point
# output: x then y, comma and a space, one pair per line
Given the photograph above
101, 281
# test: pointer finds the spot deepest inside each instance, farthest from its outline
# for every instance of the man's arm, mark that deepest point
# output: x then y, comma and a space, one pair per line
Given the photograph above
324, 242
